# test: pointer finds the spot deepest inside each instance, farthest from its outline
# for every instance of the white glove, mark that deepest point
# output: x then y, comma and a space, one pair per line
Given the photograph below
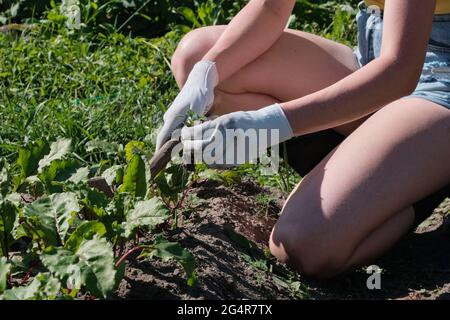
235, 138
197, 95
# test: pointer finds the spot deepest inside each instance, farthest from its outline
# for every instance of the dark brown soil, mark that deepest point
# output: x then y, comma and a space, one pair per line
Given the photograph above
417, 268
223, 272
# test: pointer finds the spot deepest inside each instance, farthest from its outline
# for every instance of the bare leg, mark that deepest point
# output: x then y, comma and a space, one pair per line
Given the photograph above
336, 228
356, 203
298, 63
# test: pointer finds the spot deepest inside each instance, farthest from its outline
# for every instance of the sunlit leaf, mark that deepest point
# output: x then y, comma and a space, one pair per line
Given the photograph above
112, 174
58, 150
149, 214
58, 171
135, 181
5, 178
85, 231
81, 175
30, 156
90, 266
52, 216
189, 15
132, 148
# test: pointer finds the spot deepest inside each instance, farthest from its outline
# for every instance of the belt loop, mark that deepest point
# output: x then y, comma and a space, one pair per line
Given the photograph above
362, 6
368, 34
372, 10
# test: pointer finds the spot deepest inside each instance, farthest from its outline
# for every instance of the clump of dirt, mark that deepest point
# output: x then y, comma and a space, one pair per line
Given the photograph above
416, 268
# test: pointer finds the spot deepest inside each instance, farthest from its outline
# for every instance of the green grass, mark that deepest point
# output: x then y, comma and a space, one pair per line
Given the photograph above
84, 87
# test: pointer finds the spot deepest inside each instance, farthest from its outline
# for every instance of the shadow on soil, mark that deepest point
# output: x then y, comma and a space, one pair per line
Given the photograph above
417, 268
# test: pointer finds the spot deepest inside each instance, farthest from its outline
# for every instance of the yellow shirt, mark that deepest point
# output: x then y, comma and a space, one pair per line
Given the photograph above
442, 6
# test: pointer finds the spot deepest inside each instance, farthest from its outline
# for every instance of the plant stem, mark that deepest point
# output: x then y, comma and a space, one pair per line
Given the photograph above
183, 196
125, 256
179, 204
121, 245
175, 220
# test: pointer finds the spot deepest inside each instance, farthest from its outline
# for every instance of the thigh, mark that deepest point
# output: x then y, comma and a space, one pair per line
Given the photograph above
398, 156
298, 64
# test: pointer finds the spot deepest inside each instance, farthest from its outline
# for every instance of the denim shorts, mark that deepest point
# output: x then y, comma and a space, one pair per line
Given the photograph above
434, 83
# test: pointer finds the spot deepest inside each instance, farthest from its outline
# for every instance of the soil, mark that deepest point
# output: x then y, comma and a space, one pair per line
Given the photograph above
222, 270
417, 268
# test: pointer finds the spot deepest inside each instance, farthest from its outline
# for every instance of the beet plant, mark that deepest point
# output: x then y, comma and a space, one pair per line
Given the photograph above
68, 229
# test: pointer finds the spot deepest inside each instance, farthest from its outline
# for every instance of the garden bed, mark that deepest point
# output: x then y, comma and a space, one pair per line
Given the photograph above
417, 268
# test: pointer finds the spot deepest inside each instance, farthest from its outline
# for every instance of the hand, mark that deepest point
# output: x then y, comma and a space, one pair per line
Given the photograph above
197, 95
235, 138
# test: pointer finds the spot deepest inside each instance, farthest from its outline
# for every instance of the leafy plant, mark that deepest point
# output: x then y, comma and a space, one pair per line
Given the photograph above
30, 156
134, 180
265, 263
148, 214
52, 216
5, 269
58, 150
90, 265
43, 287
78, 232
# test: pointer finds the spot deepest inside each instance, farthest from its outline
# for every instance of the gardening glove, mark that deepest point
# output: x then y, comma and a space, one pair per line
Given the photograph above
197, 95
235, 138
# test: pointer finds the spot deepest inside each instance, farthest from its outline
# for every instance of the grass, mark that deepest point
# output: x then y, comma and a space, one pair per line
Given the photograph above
83, 87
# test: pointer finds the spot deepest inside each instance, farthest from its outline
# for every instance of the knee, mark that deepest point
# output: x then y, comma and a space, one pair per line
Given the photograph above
192, 47
305, 250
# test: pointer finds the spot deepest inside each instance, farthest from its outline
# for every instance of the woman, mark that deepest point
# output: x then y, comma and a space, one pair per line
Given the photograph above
380, 118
